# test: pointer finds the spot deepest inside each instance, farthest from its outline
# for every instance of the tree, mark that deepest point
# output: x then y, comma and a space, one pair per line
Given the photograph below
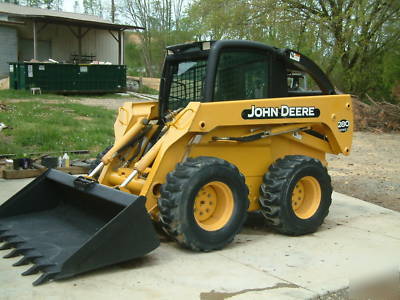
391, 74
163, 20
354, 30
49, 4
93, 7
11, 1
52, 4
76, 7
348, 38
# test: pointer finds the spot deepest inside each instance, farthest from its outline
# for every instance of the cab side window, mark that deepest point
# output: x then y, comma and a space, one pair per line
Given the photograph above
241, 74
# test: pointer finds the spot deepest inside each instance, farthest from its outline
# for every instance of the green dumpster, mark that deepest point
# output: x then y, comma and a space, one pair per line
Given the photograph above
14, 76
68, 78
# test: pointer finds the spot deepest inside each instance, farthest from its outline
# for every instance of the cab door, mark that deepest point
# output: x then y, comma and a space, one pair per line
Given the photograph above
242, 74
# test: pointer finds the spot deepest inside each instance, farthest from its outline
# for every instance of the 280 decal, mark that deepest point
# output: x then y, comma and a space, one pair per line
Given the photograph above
343, 125
284, 111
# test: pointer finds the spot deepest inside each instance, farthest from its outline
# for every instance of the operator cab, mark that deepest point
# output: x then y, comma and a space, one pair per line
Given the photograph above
229, 70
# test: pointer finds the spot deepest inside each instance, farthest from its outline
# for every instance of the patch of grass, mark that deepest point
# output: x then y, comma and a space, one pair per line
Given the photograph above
23, 94
40, 127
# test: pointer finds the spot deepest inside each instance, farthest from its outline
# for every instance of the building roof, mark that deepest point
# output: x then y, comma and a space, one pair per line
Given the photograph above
53, 16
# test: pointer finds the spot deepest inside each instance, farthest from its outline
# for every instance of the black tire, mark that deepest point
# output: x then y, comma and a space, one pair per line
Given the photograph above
99, 156
276, 194
178, 196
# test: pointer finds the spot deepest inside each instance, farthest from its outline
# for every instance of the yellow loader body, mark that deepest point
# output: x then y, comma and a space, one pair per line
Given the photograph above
194, 130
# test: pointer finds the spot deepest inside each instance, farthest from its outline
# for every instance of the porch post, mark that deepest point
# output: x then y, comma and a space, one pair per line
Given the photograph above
119, 47
34, 41
80, 43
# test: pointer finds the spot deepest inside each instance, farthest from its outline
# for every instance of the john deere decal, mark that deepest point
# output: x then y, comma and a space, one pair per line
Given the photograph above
280, 112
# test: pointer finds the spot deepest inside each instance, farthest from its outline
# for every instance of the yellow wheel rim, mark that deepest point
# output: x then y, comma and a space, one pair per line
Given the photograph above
213, 206
306, 197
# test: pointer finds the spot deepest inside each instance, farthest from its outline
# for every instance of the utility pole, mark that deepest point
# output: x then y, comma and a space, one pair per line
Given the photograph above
112, 11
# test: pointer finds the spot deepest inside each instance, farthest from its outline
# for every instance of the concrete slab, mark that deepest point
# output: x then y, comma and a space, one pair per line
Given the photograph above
260, 264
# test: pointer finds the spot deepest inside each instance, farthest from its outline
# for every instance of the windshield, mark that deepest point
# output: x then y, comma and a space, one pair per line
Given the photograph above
187, 83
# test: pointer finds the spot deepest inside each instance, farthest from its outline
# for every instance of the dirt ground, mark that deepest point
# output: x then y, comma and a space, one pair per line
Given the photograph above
371, 171
111, 103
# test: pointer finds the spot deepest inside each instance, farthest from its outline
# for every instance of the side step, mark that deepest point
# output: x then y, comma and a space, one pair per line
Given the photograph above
65, 230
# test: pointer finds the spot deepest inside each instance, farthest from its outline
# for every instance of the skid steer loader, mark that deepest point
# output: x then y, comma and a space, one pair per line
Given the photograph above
236, 129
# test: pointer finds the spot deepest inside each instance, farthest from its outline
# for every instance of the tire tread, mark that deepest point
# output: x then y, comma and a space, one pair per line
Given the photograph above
172, 193
275, 181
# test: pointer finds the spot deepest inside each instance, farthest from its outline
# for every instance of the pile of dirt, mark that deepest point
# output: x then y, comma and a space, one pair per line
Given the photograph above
3, 107
377, 116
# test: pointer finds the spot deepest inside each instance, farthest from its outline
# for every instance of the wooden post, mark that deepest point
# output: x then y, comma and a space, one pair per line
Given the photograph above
122, 48
119, 47
34, 41
80, 43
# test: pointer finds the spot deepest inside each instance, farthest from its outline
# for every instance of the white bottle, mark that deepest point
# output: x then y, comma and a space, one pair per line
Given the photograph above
65, 160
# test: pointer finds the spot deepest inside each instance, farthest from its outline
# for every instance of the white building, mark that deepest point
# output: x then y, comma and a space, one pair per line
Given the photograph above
28, 33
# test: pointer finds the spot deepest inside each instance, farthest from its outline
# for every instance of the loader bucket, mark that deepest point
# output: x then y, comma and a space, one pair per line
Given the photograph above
64, 230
